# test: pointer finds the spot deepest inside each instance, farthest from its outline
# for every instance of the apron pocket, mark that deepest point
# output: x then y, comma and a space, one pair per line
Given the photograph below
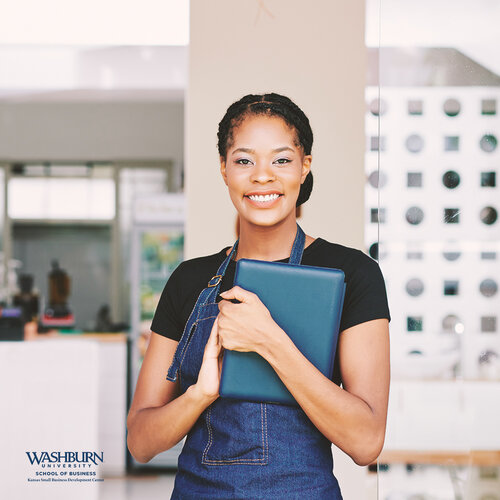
237, 433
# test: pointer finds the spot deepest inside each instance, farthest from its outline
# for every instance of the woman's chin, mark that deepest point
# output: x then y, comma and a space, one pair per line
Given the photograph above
262, 219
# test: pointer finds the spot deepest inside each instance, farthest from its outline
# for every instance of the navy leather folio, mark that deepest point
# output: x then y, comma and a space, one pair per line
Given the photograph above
306, 302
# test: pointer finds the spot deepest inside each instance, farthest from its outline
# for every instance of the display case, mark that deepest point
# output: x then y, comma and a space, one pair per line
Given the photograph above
157, 249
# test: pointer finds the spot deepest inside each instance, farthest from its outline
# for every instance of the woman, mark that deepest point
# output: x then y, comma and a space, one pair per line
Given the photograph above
238, 449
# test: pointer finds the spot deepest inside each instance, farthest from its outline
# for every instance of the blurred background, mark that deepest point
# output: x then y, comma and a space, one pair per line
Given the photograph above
109, 179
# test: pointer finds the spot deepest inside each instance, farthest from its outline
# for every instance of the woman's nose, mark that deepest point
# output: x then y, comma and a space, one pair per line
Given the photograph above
262, 172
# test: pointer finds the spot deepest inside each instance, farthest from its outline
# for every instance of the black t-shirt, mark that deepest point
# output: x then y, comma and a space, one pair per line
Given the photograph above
365, 297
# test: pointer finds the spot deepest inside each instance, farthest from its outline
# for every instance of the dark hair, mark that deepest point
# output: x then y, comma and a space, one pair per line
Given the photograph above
271, 105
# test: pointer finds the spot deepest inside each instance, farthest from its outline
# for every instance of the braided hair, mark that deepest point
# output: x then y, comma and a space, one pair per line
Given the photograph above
271, 105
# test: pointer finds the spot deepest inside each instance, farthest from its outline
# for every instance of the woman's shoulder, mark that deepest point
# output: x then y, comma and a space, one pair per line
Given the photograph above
202, 263
326, 250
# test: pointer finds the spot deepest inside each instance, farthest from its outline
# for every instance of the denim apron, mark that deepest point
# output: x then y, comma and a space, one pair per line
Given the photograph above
241, 449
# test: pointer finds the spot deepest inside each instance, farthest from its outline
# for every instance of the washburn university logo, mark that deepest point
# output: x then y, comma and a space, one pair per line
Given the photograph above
61, 458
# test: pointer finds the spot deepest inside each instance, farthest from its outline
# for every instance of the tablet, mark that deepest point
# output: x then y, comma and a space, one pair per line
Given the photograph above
306, 302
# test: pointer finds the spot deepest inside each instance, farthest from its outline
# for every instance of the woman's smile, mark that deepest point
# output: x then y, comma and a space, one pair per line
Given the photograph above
263, 199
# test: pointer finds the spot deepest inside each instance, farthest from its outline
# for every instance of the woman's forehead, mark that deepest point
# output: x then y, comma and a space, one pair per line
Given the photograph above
265, 130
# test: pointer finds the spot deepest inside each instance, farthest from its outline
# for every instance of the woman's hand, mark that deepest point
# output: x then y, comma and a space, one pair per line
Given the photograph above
247, 326
207, 385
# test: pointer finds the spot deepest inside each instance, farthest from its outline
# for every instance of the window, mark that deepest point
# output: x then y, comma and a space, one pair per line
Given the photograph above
451, 215
488, 324
414, 215
376, 144
451, 256
378, 107
451, 107
451, 179
414, 323
377, 215
414, 179
414, 143
488, 107
415, 287
488, 179
488, 287
488, 143
415, 107
451, 143
488, 215
450, 287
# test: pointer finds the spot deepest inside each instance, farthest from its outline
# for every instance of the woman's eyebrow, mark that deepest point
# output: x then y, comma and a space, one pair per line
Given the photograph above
248, 150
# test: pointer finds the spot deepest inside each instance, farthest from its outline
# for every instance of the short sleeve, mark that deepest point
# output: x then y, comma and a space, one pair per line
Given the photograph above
365, 297
167, 320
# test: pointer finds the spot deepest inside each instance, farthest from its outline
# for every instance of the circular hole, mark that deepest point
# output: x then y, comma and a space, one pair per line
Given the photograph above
376, 252
451, 179
451, 107
451, 256
414, 287
414, 215
488, 287
378, 107
414, 143
488, 143
452, 324
377, 179
373, 251
488, 215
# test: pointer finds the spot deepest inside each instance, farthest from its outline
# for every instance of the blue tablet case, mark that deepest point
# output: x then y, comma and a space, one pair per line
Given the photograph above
306, 302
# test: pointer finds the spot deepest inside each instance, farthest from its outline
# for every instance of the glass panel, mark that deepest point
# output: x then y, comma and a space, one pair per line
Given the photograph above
440, 81
2, 206
134, 181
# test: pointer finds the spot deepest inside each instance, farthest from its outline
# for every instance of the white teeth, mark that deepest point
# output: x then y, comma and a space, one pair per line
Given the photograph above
260, 197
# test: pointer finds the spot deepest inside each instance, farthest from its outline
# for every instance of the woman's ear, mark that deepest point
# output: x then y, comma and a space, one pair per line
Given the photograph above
306, 167
223, 169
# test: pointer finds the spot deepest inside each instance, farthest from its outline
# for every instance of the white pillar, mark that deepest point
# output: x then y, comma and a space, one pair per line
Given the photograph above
314, 53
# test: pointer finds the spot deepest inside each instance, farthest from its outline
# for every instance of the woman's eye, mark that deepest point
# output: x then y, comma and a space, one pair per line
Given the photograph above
282, 161
243, 161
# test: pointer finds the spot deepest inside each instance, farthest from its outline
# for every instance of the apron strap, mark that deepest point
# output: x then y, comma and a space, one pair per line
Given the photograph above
295, 259
214, 284
298, 247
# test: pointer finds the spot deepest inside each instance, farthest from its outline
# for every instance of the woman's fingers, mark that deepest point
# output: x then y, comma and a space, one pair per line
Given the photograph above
213, 340
238, 293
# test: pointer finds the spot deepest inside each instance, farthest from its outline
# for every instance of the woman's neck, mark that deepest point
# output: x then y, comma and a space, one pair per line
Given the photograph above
267, 242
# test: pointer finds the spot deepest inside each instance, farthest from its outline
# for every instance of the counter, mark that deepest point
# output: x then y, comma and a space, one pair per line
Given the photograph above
62, 392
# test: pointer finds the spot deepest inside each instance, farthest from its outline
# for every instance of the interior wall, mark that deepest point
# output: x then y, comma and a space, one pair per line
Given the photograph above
91, 130
315, 54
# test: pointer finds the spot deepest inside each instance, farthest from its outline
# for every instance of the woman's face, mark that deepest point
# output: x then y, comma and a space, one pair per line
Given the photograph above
264, 169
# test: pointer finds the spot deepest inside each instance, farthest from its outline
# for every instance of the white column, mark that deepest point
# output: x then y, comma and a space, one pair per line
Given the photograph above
313, 52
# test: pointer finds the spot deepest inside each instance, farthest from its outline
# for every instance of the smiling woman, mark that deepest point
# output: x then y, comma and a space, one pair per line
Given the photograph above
264, 144
264, 180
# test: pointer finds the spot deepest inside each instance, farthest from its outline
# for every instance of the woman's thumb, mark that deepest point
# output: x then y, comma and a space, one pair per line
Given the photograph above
213, 339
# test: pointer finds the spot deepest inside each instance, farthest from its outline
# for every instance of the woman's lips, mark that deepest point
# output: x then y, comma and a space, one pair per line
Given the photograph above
263, 204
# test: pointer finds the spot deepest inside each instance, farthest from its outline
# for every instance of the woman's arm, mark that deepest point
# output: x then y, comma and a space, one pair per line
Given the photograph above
158, 418
353, 418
